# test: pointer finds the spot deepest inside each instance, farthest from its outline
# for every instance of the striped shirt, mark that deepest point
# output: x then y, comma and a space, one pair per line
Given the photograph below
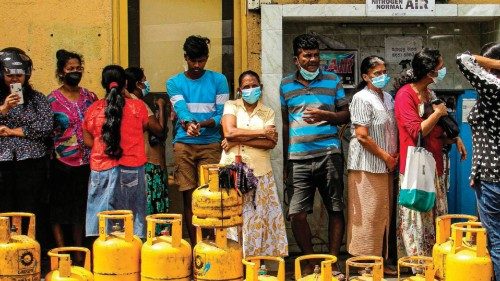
324, 92
198, 100
367, 109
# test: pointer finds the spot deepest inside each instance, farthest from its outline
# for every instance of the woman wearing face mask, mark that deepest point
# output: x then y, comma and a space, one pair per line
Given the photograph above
25, 126
70, 168
156, 173
249, 131
372, 158
415, 230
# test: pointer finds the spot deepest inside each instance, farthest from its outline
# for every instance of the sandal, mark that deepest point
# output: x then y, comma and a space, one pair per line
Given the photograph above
339, 275
390, 270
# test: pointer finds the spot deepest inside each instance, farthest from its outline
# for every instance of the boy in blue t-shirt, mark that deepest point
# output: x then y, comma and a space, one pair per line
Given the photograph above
198, 98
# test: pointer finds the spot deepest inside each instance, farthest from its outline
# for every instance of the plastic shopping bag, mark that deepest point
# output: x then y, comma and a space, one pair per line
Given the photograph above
418, 190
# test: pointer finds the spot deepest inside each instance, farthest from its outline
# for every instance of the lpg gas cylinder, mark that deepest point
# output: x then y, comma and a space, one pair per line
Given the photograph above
372, 266
217, 259
117, 256
61, 268
323, 273
20, 254
216, 207
466, 260
256, 270
423, 266
165, 257
443, 240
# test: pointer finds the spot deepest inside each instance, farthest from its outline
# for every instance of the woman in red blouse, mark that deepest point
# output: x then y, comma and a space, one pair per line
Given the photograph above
415, 114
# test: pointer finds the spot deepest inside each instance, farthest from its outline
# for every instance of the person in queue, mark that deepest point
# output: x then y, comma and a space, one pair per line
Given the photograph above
69, 169
249, 131
197, 96
25, 128
113, 127
415, 114
313, 103
156, 175
483, 73
372, 159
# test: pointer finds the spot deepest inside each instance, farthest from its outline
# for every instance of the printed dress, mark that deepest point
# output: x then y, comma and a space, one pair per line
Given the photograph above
70, 171
415, 230
263, 227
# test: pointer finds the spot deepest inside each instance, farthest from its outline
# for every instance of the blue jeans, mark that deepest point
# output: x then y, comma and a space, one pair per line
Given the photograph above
119, 188
488, 199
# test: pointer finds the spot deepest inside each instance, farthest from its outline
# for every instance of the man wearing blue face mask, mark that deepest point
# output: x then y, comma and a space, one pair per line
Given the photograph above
313, 103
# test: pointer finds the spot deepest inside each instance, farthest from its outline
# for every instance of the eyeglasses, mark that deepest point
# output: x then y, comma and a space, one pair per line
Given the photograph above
75, 68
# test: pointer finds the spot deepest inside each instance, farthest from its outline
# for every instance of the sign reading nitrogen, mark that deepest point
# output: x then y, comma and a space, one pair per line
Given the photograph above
400, 7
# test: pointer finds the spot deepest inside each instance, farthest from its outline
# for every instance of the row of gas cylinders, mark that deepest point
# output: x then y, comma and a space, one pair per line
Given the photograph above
460, 252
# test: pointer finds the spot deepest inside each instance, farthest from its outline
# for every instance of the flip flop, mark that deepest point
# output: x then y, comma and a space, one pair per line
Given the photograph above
339, 275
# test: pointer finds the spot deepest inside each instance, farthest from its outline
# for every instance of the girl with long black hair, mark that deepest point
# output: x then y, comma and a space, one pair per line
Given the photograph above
114, 128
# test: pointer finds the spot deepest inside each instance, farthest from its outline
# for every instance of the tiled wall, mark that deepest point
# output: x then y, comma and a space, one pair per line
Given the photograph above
368, 39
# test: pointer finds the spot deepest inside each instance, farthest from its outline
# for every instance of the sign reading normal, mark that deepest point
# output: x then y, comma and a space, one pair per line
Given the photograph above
400, 7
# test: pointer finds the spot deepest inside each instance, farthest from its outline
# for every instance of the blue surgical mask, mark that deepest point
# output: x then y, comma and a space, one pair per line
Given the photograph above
251, 95
381, 81
147, 88
441, 74
307, 74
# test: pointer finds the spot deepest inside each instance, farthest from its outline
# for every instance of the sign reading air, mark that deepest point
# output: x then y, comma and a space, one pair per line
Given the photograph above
400, 7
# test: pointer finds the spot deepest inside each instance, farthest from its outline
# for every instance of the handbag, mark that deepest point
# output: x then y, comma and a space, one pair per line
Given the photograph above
449, 125
418, 190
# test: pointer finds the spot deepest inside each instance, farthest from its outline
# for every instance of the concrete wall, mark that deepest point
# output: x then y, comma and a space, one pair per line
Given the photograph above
254, 30
165, 25
41, 27
369, 39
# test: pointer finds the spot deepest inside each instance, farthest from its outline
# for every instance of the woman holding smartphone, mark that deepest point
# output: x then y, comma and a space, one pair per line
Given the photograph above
25, 125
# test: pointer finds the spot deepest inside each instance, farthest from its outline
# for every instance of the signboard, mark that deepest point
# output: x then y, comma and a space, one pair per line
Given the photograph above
467, 106
398, 49
400, 7
343, 63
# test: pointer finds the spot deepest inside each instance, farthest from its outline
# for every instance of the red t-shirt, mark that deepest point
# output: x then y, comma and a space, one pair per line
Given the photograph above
406, 112
134, 120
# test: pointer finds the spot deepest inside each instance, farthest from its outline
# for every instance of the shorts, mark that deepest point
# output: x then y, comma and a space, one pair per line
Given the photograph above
324, 173
119, 188
189, 157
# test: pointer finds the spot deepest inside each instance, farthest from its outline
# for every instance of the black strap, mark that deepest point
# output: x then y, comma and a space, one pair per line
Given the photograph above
420, 139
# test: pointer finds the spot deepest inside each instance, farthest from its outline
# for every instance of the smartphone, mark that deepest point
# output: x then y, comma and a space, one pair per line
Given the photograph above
17, 88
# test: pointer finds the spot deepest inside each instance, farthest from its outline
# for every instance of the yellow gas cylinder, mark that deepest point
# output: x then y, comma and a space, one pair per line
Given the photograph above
372, 265
443, 240
217, 259
423, 266
323, 273
216, 207
256, 270
61, 268
165, 257
465, 260
117, 256
19, 254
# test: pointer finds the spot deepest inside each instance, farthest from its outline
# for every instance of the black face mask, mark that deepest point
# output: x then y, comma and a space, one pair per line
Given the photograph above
73, 78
